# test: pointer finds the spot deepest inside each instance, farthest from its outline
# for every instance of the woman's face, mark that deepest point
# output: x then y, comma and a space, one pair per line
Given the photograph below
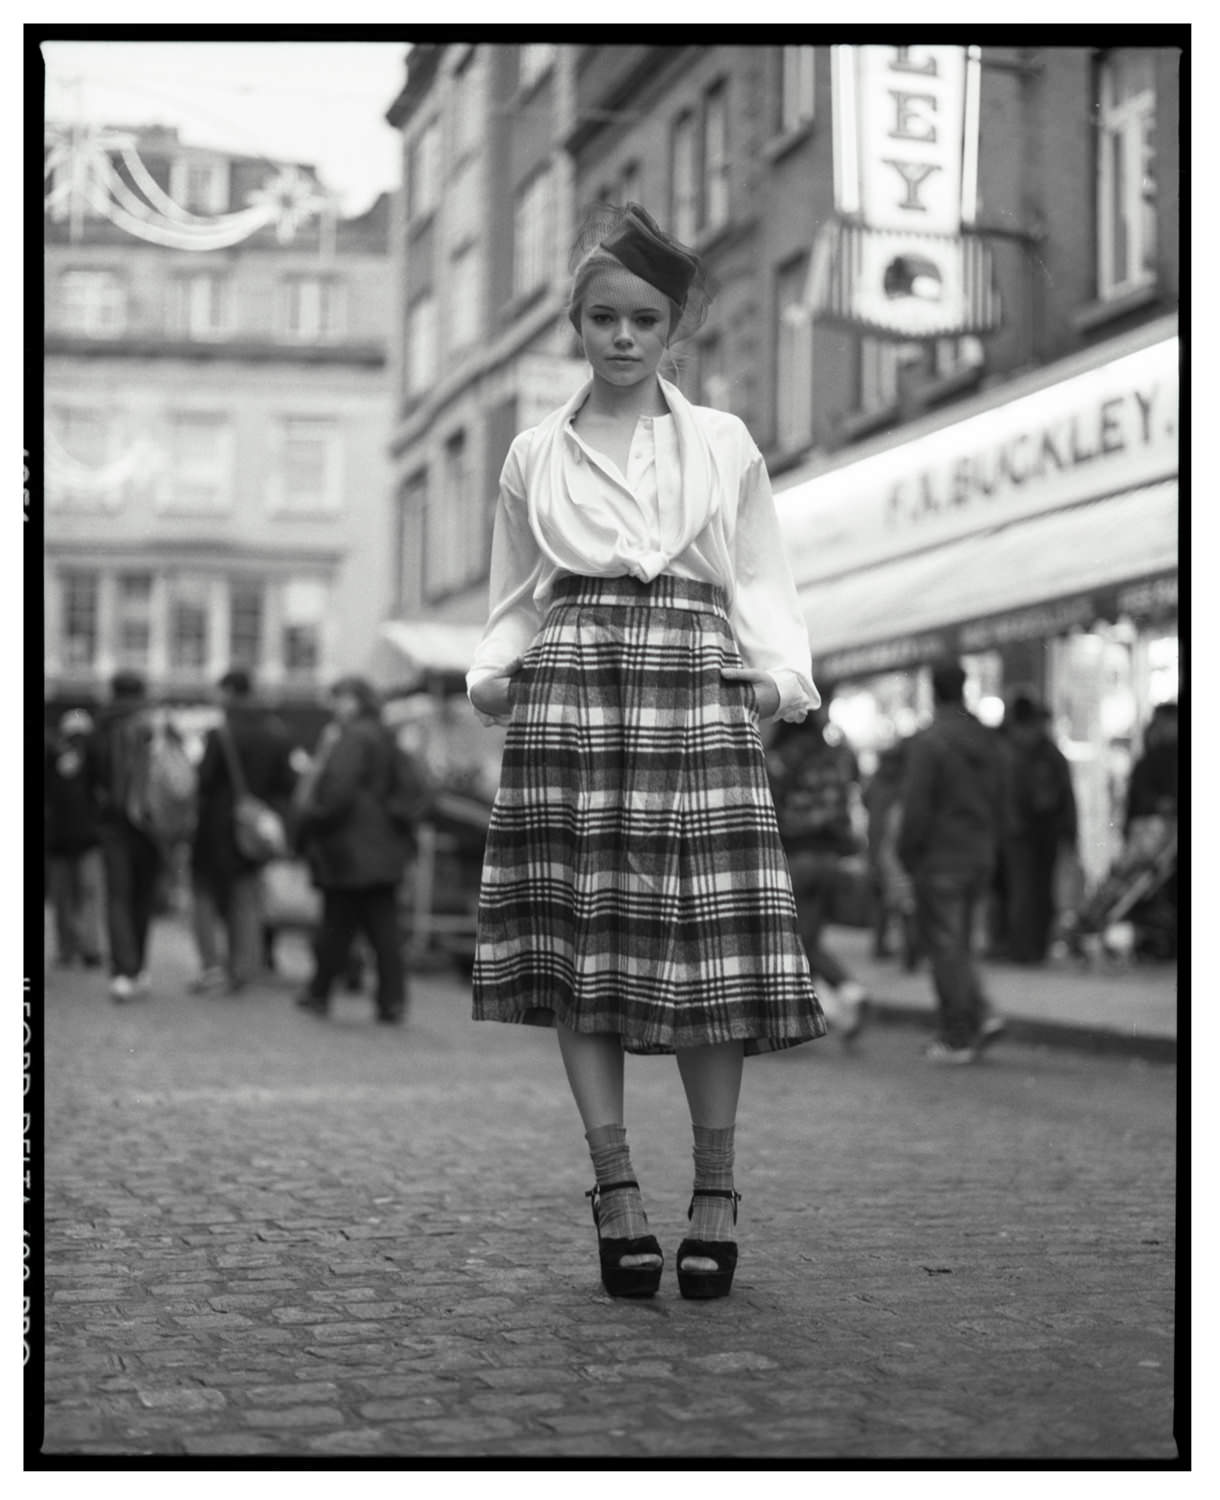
624, 324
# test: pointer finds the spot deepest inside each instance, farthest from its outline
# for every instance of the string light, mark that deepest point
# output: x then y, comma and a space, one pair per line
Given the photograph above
81, 172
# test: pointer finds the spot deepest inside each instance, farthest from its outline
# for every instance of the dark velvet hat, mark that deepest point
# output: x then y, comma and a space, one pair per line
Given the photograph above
633, 237
644, 248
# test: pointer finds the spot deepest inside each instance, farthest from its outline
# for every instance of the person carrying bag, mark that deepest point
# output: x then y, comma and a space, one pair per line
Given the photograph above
257, 827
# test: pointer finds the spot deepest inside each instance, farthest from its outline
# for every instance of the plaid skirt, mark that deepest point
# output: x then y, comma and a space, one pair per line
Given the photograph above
634, 881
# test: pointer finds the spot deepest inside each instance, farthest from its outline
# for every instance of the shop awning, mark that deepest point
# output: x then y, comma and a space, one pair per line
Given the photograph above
1037, 577
413, 654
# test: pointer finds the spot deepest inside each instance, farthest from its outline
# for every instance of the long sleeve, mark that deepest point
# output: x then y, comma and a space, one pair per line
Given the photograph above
337, 787
516, 564
766, 615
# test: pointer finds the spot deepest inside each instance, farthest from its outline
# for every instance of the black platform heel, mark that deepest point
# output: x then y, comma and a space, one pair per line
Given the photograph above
717, 1283
620, 1280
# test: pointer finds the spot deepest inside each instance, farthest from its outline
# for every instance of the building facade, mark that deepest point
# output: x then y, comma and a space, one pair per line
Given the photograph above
485, 346
1007, 495
216, 481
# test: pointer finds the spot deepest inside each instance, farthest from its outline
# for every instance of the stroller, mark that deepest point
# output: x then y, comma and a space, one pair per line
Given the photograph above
1140, 889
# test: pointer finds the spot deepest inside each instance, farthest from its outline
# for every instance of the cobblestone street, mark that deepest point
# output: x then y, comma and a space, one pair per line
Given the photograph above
270, 1235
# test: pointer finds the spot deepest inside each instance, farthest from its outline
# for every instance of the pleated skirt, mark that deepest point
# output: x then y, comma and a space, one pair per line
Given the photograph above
634, 881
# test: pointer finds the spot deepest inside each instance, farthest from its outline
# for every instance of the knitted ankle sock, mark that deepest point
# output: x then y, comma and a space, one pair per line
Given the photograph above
712, 1218
621, 1213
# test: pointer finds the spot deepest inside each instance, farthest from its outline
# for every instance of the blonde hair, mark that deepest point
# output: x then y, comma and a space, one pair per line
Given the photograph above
590, 265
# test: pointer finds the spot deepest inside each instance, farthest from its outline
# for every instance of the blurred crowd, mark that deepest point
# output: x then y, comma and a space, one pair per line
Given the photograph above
253, 835
260, 835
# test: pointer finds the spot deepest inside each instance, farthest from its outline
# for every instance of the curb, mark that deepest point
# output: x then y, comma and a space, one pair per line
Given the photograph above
1078, 1038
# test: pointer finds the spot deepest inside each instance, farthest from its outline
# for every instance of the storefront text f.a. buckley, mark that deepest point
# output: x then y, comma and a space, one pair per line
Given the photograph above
1121, 424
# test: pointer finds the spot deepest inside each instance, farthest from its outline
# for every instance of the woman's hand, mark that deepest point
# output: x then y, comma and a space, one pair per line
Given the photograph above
765, 690
490, 696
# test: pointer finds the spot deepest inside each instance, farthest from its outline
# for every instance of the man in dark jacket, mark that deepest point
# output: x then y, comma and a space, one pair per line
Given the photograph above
953, 804
74, 864
1041, 827
355, 832
116, 767
226, 891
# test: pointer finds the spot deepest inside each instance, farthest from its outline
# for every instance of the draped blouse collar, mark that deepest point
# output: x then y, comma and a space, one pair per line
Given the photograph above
568, 511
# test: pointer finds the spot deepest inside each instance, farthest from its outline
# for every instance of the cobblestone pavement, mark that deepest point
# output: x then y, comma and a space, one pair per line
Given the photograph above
270, 1235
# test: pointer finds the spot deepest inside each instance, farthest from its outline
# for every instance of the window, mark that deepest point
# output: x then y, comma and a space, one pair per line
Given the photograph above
464, 297
464, 204
715, 157
79, 604
133, 619
421, 345
466, 104
190, 611
199, 186
795, 88
881, 364
629, 183
92, 302
86, 434
683, 205
199, 477
245, 622
308, 481
952, 356
303, 605
200, 304
712, 382
424, 171
454, 527
533, 60
312, 307
409, 543
83, 468
794, 356
1126, 186
533, 240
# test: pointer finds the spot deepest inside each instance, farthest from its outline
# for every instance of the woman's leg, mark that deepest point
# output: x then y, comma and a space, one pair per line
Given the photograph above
711, 1077
594, 1065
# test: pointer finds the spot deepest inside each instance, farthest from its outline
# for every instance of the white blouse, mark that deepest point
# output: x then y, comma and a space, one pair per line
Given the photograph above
695, 502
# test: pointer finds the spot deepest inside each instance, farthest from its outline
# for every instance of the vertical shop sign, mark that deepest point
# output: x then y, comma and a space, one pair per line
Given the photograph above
902, 259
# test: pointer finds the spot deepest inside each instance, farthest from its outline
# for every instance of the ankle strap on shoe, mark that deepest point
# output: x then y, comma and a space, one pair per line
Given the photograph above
599, 1188
730, 1193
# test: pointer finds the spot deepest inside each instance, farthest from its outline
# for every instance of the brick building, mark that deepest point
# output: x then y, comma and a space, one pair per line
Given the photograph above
216, 419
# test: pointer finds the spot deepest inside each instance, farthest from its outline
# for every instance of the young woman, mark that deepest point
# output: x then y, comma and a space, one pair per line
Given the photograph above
635, 894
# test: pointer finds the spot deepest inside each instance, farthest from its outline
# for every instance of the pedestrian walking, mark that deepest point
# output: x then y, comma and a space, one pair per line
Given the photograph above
247, 755
1040, 829
893, 893
74, 861
811, 781
356, 816
117, 759
952, 812
635, 893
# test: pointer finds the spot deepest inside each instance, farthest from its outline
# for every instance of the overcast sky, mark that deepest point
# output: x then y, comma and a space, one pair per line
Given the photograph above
319, 102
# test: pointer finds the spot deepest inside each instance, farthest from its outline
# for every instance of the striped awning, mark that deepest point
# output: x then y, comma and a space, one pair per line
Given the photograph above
843, 281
